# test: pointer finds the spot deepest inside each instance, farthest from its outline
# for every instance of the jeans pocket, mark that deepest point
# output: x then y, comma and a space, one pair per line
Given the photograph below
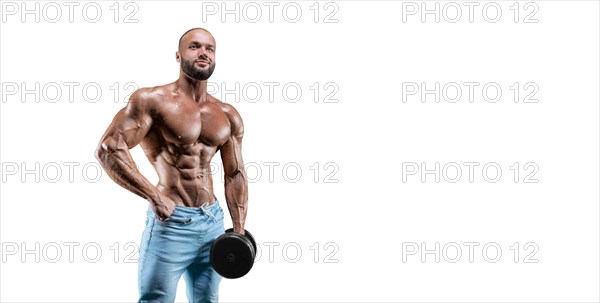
176, 219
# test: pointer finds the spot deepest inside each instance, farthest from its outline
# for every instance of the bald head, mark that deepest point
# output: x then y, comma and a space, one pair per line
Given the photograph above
196, 54
192, 30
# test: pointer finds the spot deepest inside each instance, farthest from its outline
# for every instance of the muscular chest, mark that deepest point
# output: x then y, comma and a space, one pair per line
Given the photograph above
189, 123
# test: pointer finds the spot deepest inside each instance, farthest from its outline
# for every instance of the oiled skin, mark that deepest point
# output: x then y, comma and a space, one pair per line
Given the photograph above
180, 128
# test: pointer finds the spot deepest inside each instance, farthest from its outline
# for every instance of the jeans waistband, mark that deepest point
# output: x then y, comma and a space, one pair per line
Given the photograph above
205, 209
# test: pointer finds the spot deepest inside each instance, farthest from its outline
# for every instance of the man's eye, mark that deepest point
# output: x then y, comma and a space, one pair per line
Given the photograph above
211, 50
193, 46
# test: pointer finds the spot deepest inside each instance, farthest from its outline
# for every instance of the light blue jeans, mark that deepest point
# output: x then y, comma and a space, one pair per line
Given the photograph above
180, 245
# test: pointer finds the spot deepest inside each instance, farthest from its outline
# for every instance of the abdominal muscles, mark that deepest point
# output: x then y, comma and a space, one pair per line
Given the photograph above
185, 174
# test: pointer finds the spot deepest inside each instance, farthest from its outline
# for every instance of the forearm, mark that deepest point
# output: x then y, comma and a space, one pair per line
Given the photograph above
236, 194
121, 168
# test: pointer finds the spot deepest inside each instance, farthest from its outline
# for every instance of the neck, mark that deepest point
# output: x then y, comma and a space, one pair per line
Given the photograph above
195, 89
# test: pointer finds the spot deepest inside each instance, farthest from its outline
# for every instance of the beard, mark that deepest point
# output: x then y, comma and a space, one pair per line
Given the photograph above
196, 73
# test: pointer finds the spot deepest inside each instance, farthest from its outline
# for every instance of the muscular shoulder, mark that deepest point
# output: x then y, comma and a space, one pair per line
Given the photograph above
235, 119
148, 99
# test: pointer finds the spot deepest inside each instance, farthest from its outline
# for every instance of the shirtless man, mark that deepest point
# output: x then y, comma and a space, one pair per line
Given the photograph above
180, 128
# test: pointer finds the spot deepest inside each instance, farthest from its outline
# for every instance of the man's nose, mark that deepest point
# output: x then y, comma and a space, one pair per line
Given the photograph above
203, 53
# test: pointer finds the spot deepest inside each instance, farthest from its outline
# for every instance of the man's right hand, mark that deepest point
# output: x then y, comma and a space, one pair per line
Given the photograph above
163, 208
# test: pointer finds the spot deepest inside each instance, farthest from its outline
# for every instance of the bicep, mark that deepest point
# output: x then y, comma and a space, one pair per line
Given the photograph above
231, 151
129, 126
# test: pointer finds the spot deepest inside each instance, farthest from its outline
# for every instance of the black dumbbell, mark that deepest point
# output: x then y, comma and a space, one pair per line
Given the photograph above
232, 254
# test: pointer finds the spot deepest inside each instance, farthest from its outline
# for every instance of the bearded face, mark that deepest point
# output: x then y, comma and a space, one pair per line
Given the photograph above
198, 69
197, 54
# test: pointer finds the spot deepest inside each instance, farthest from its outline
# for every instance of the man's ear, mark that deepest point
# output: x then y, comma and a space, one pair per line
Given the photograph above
177, 57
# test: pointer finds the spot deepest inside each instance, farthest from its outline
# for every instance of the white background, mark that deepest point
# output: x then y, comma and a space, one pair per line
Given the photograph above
358, 203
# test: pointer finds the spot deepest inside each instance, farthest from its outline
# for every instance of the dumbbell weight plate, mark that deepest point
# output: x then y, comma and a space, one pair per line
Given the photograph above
232, 255
248, 235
